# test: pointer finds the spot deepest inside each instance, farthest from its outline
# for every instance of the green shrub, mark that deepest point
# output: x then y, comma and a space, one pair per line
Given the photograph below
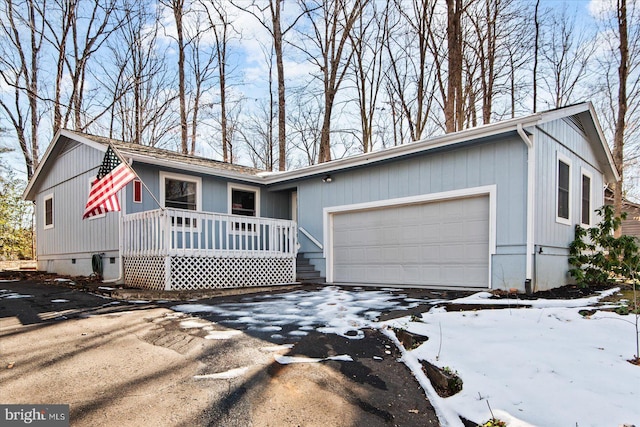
597, 257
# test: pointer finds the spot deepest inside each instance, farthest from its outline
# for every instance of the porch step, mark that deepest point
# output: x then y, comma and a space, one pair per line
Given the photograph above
306, 272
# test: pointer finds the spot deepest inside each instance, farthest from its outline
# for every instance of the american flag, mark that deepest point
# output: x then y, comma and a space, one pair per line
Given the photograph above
112, 177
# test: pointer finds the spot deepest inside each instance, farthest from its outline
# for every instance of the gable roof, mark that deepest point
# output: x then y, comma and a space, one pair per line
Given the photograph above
582, 115
139, 153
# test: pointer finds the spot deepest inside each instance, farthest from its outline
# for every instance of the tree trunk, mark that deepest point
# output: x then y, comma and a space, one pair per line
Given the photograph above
282, 113
178, 14
453, 104
618, 139
535, 57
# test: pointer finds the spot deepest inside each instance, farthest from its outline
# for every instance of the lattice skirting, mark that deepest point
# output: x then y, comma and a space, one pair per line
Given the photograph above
145, 272
189, 273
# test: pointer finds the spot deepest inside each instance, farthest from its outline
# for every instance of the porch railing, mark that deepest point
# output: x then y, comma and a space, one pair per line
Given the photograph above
176, 232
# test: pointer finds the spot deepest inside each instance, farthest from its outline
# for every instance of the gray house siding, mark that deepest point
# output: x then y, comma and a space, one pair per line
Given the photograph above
553, 237
67, 247
494, 162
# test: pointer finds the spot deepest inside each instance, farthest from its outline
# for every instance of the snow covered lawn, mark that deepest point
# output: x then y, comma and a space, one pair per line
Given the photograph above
542, 366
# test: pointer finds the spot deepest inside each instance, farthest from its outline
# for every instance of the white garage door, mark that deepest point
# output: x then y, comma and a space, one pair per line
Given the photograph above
444, 243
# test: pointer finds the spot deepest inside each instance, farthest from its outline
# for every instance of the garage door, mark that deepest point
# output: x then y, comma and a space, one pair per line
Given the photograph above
444, 243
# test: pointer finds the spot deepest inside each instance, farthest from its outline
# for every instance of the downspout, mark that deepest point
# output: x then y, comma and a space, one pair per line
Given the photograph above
531, 185
123, 208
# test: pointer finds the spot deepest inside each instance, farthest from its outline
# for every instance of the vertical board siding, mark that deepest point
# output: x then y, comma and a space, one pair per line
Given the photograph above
496, 162
69, 182
549, 140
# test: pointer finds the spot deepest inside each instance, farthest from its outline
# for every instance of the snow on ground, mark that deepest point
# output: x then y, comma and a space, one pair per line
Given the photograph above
541, 366
328, 310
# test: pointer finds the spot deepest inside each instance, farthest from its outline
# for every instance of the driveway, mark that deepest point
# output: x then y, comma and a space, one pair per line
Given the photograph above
307, 356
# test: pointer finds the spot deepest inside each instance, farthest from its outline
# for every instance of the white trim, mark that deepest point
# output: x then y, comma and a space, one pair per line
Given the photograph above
329, 212
188, 178
584, 172
564, 159
233, 186
46, 226
310, 237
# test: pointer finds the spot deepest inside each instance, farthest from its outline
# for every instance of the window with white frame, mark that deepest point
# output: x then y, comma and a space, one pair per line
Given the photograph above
585, 206
243, 200
48, 211
563, 180
180, 191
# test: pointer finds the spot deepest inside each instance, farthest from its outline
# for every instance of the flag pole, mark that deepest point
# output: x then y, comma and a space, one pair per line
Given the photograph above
123, 160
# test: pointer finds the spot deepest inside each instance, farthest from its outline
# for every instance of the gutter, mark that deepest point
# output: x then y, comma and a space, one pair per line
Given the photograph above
531, 187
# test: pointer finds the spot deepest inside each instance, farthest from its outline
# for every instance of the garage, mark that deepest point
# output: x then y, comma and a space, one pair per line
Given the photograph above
432, 243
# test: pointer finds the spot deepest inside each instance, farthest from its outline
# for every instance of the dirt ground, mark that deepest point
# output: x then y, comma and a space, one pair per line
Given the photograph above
134, 364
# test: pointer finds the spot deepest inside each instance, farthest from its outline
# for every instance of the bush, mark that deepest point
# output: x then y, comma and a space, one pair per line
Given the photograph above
597, 257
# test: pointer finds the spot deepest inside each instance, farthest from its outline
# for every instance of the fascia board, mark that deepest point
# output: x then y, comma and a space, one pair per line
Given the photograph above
55, 147
603, 144
26, 195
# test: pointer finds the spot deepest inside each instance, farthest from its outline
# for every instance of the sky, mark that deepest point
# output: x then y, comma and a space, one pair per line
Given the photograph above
546, 365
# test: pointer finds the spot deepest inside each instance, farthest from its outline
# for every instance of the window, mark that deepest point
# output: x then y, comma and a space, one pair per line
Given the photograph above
243, 200
137, 191
48, 211
180, 191
585, 208
564, 185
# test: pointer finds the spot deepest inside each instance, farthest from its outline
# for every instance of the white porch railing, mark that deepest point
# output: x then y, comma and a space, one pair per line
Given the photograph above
198, 250
181, 232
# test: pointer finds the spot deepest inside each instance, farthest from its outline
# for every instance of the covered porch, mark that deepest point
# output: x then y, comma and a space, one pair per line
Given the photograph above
175, 249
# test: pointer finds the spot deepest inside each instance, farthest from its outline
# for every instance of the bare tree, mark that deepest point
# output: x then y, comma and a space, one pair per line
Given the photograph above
272, 22
141, 87
305, 121
414, 61
20, 68
202, 64
453, 105
179, 10
536, 47
623, 75
367, 41
620, 89
221, 26
331, 22
566, 55
259, 130
84, 28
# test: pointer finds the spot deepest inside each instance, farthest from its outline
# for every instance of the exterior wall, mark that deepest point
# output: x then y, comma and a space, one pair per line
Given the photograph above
497, 161
67, 247
552, 238
214, 194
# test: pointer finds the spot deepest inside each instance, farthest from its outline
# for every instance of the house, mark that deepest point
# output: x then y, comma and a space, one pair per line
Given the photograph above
630, 226
489, 207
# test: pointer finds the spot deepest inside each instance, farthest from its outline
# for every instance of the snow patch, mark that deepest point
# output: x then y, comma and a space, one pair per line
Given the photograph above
286, 360
232, 373
222, 335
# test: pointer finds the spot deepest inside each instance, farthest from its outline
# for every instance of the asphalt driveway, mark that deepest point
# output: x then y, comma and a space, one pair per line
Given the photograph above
306, 356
